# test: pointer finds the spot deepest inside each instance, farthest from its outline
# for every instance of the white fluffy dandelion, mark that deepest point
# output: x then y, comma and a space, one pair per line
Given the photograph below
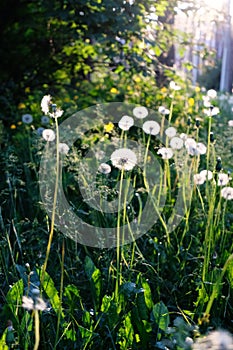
176, 143
207, 174
140, 112
126, 122
171, 131
216, 340
163, 110
63, 148
210, 112
199, 179
124, 158
151, 127
34, 304
174, 86
212, 93
227, 193
104, 168
201, 148
165, 152
48, 135
230, 122
45, 104
223, 179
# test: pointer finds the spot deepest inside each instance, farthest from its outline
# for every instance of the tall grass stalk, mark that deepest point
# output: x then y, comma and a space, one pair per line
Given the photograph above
61, 292
217, 288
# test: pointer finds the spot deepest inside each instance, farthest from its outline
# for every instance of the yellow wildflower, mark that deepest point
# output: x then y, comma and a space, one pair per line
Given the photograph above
27, 89
21, 106
197, 89
137, 79
108, 127
13, 126
191, 102
163, 90
114, 90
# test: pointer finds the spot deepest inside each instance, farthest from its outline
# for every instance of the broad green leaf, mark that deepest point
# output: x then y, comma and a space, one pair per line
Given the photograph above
52, 293
161, 315
158, 51
14, 296
147, 294
109, 308
94, 276
126, 333
3, 345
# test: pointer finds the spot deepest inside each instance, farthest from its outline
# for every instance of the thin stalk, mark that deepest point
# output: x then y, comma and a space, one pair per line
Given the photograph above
37, 330
217, 285
61, 292
44, 267
118, 248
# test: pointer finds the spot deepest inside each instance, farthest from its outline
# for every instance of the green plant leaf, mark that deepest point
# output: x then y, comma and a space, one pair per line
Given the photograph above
94, 276
161, 316
52, 293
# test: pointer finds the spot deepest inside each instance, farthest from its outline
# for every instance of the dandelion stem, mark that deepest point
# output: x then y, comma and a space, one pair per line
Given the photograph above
37, 329
54, 205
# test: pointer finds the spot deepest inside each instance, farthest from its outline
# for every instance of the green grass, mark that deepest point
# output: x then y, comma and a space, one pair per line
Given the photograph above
150, 293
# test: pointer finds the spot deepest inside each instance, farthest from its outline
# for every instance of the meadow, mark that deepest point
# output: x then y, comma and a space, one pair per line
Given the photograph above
117, 221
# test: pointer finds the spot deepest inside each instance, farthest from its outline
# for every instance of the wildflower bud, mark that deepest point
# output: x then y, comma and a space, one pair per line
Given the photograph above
211, 136
189, 121
197, 123
218, 166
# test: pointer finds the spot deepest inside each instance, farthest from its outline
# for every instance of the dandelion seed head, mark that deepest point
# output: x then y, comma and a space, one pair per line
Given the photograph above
126, 122
201, 148
48, 135
99, 155
163, 110
63, 148
211, 111
165, 152
223, 179
40, 304
171, 131
199, 179
230, 122
124, 158
28, 303
176, 143
45, 104
151, 127
212, 93
140, 112
216, 340
104, 168
207, 174
174, 86
227, 193
183, 136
